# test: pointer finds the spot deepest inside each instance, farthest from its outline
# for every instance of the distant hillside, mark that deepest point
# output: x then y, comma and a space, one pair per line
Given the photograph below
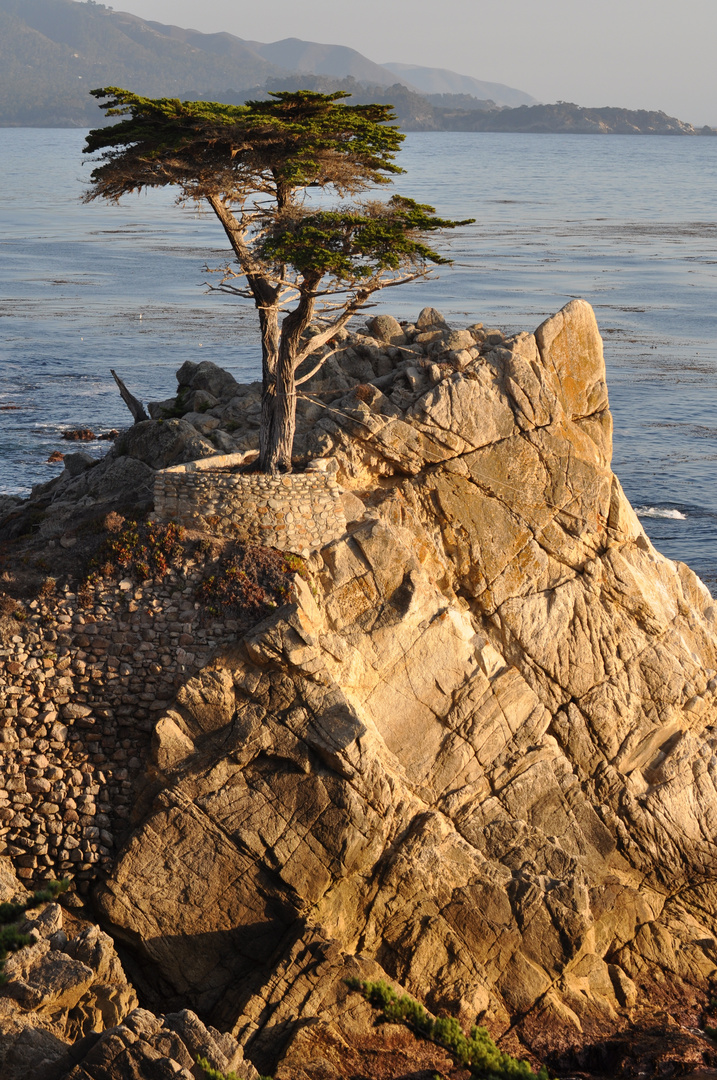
447, 112
414, 112
53, 51
339, 61
566, 118
430, 80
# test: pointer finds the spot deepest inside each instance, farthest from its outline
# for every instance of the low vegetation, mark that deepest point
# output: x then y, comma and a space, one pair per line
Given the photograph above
239, 581
214, 1074
142, 548
245, 578
476, 1051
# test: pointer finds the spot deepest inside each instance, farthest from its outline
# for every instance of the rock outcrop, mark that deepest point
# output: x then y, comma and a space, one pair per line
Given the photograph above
68, 1011
475, 755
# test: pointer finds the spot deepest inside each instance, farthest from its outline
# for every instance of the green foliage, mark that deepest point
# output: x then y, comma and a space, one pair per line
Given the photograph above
10, 914
214, 1074
275, 148
295, 565
291, 141
356, 242
476, 1051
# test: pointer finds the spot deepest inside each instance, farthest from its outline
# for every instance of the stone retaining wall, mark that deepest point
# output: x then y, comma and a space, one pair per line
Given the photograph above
300, 512
82, 683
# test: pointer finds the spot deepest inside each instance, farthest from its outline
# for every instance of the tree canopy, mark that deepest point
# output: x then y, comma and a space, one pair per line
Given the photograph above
292, 141
257, 165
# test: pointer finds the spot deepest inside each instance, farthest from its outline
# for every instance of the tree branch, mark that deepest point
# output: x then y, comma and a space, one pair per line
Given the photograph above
322, 361
134, 405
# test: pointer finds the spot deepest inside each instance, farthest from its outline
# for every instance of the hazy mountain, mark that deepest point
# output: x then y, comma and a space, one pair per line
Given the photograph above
292, 54
413, 111
441, 81
53, 51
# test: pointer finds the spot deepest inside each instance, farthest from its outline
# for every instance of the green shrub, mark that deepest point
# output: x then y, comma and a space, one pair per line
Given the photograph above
476, 1051
214, 1074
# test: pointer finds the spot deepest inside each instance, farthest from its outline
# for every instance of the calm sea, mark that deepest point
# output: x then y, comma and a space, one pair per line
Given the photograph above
629, 223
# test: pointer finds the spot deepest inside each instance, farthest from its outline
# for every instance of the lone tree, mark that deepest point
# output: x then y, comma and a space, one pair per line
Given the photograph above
296, 257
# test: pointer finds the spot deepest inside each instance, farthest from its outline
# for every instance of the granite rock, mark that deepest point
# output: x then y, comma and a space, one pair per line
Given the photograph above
475, 754
478, 759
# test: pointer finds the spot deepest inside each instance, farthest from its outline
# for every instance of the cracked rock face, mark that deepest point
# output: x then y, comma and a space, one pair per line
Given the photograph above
67, 1012
476, 757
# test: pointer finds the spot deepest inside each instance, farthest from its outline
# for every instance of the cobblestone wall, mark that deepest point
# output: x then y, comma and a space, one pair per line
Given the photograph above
300, 512
82, 683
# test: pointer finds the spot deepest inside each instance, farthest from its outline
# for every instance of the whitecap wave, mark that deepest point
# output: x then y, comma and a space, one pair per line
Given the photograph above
660, 512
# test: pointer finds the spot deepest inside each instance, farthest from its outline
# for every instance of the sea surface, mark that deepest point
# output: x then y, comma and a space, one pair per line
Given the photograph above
627, 222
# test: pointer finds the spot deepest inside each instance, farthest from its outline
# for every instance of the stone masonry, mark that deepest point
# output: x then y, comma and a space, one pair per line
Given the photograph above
300, 512
82, 683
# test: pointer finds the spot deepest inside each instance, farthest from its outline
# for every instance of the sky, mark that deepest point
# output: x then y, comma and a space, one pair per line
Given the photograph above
640, 54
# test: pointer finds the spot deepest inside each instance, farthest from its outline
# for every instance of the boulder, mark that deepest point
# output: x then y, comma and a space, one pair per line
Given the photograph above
430, 319
78, 463
223, 443
388, 329
163, 410
457, 340
207, 377
202, 423
113, 479
570, 345
161, 443
112, 482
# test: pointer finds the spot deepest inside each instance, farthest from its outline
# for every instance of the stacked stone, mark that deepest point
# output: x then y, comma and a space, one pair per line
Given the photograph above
81, 685
301, 512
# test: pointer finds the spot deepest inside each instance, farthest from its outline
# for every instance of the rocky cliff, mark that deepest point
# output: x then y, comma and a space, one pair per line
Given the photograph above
475, 754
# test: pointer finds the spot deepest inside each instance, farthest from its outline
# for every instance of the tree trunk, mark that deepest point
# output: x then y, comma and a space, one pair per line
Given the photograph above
278, 414
277, 438
266, 299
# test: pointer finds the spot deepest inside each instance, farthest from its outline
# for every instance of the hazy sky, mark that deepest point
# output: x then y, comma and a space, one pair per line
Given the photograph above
653, 54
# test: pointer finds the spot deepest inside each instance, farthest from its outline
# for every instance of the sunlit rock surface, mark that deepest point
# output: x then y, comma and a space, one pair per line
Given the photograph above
474, 756
477, 755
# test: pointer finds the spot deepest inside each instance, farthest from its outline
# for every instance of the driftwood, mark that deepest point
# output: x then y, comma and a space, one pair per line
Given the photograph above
135, 407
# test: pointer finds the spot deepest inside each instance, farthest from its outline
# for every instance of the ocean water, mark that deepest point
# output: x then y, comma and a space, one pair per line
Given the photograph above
628, 223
